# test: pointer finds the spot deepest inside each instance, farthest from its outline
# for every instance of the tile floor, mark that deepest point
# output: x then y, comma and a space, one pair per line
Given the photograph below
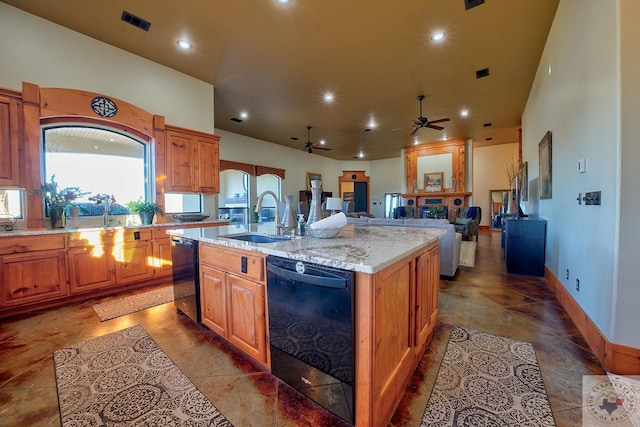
484, 297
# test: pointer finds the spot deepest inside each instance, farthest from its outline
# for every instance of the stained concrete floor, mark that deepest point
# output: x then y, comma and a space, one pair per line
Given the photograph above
485, 298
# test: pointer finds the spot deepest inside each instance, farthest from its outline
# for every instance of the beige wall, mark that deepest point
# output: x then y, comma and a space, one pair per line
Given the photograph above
489, 174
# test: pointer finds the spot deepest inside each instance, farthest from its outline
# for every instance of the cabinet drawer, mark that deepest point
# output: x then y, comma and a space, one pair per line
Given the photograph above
107, 237
246, 264
22, 244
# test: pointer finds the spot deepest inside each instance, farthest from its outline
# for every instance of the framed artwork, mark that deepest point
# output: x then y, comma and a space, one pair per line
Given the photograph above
544, 165
311, 176
523, 177
433, 181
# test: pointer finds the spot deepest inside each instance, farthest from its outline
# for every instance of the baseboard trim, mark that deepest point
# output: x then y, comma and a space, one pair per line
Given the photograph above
613, 357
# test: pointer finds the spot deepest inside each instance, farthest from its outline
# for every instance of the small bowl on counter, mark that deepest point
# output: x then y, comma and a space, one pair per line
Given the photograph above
323, 233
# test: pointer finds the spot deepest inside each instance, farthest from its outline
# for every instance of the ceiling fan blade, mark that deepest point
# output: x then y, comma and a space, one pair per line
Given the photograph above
321, 148
413, 132
439, 120
434, 127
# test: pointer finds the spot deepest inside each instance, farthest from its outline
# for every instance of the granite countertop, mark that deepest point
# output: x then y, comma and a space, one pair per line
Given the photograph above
18, 232
356, 248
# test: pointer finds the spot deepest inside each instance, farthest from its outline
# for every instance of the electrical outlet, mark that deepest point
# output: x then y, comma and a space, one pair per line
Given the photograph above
567, 276
578, 285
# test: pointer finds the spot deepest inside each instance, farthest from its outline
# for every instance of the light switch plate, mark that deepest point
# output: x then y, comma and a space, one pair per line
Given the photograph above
582, 165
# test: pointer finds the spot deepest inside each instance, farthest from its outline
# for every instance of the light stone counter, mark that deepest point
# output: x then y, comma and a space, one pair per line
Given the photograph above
356, 248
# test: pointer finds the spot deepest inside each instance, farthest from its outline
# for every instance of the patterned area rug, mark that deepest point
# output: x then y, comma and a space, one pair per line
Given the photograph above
127, 305
124, 378
468, 253
487, 380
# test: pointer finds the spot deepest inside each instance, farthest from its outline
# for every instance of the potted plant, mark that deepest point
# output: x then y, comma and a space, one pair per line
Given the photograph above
146, 210
57, 200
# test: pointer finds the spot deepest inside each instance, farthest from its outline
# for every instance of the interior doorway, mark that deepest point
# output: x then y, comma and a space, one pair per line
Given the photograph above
354, 187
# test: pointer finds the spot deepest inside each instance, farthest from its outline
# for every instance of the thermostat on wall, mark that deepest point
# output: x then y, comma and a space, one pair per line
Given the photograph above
582, 165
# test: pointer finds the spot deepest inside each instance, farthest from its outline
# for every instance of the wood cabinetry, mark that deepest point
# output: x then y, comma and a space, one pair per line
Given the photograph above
10, 132
193, 161
32, 270
395, 318
232, 286
103, 258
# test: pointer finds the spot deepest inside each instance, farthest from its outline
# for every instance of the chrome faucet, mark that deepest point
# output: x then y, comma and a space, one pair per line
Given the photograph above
259, 206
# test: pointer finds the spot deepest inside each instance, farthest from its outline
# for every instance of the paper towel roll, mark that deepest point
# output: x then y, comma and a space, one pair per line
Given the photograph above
338, 220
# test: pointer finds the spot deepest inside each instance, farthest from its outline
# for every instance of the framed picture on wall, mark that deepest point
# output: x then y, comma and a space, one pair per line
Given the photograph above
311, 176
433, 181
544, 155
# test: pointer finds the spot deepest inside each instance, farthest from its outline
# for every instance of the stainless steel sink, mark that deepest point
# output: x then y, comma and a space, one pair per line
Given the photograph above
256, 238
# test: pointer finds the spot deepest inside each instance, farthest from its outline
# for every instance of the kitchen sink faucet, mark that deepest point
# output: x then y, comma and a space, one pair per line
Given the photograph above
259, 206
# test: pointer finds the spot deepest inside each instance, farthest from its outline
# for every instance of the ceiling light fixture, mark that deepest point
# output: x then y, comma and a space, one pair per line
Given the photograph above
183, 44
464, 113
438, 36
361, 155
328, 97
283, 1
244, 114
322, 142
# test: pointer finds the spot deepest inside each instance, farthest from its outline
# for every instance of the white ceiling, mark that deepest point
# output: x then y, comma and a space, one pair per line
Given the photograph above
275, 62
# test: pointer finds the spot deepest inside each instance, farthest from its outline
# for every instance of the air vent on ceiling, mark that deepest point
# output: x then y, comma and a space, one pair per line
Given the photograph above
235, 119
488, 139
468, 4
135, 21
482, 73
295, 138
487, 125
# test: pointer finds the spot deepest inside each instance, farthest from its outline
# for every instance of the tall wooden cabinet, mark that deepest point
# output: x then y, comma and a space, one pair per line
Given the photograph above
193, 161
10, 104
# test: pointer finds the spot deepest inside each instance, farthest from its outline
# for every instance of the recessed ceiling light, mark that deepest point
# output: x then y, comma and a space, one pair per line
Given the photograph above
284, 1
438, 36
183, 44
464, 113
328, 97
322, 142
244, 114
361, 155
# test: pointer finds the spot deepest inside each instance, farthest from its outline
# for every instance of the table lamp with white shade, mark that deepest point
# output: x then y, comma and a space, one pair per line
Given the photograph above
333, 204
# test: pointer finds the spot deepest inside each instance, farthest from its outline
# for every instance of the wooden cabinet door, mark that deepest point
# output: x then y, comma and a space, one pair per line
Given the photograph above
9, 140
247, 320
427, 266
133, 261
90, 267
208, 165
180, 162
32, 277
162, 261
213, 299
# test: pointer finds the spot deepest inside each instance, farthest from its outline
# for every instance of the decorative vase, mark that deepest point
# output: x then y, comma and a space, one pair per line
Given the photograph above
288, 220
315, 209
146, 218
58, 218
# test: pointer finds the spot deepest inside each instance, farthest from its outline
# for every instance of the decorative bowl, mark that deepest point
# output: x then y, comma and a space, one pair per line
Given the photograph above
186, 217
323, 233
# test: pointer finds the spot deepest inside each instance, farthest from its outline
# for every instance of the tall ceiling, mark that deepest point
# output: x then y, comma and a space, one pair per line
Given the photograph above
275, 62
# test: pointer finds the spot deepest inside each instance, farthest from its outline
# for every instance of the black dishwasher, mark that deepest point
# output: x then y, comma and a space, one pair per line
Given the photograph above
311, 331
186, 281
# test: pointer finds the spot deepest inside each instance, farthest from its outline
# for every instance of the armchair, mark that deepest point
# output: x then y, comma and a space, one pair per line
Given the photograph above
467, 221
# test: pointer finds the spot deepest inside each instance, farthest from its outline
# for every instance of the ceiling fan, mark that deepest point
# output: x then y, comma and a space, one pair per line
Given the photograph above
423, 122
310, 146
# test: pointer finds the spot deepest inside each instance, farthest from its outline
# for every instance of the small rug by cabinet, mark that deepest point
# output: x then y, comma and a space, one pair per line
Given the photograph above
124, 378
468, 253
127, 305
487, 380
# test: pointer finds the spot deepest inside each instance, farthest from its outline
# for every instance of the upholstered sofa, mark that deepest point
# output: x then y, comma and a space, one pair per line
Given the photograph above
449, 243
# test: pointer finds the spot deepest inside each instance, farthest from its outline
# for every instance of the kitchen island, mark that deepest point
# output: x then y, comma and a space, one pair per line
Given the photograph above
395, 298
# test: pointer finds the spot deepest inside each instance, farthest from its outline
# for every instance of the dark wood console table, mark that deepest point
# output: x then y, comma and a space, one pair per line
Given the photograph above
524, 245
